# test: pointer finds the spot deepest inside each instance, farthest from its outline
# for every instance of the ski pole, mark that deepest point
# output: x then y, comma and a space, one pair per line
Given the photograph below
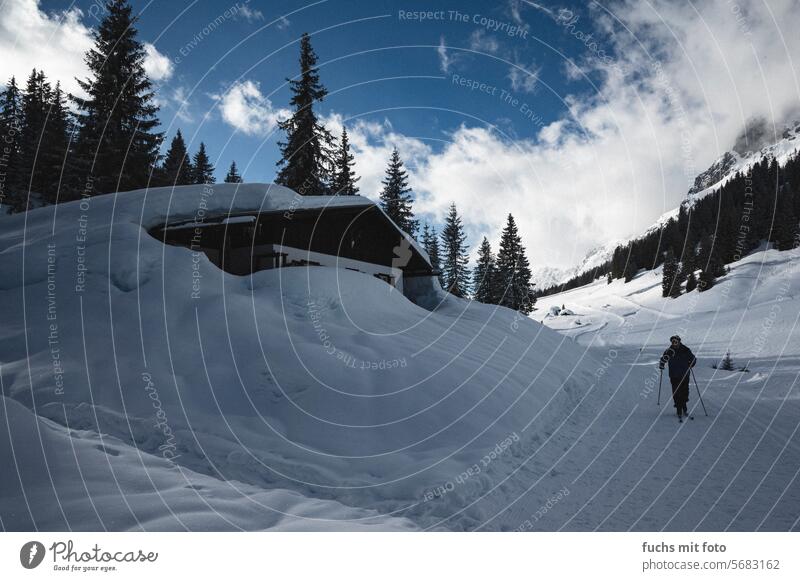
660, 378
698, 391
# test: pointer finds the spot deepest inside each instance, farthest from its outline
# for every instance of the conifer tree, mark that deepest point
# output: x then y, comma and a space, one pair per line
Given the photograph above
513, 271
484, 276
57, 165
396, 195
430, 241
455, 259
669, 273
117, 144
35, 101
233, 177
708, 264
680, 277
785, 231
691, 282
618, 262
707, 279
11, 126
344, 176
306, 160
631, 268
202, 170
177, 167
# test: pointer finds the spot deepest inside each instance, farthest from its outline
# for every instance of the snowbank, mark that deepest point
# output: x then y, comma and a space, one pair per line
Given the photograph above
321, 381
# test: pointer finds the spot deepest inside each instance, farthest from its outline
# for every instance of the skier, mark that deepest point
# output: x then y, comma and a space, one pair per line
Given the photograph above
681, 360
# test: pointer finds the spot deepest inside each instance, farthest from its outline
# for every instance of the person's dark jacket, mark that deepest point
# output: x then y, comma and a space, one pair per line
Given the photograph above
680, 359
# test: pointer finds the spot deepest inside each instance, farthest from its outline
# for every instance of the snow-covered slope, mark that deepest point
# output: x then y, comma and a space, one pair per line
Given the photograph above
733, 162
707, 182
753, 311
324, 382
735, 466
56, 478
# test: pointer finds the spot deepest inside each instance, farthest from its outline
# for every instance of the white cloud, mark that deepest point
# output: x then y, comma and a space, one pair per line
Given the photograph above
444, 59
246, 109
54, 42
524, 78
372, 143
482, 42
158, 66
283, 23
625, 153
250, 14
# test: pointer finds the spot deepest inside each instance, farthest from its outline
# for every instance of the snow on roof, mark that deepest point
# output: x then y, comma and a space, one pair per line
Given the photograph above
178, 205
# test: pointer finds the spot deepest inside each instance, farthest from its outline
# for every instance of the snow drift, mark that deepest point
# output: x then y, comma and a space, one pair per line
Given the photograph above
297, 382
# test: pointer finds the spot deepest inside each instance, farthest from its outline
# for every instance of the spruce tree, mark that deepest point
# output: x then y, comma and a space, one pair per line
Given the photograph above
344, 176
59, 172
513, 271
177, 167
669, 274
707, 279
396, 195
430, 241
11, 124
456, 258
35, 100
306, 156
785, 231
691, 282
631, 268
708, 264
202, 170
117, 144
680, 277
484, 275
233, 177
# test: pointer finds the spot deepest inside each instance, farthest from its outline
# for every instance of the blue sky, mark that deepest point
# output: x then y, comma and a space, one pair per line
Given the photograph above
377, 59
586, 120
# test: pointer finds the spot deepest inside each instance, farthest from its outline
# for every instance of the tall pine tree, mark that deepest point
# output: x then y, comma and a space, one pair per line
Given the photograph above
202, 170
233, 176
11, 125
35, 103
57, 164
631, 268
177, 167
344, 176
396, 195
456, 258
117, 144
708, 265
484, 276
430, 241
669, 274
306, 161
785, 232
513, 271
